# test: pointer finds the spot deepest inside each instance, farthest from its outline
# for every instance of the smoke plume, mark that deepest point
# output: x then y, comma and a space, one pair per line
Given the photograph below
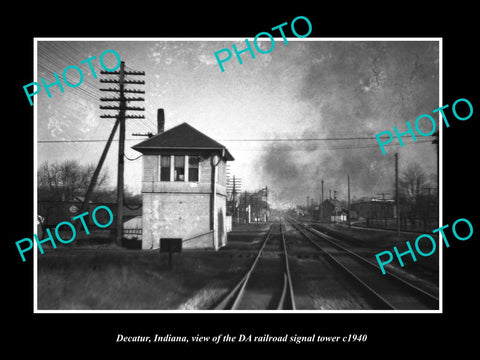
354, 90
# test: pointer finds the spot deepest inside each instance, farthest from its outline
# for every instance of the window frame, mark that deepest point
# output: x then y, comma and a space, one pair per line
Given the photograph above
175, 177
160, 167
198, 168
186, 168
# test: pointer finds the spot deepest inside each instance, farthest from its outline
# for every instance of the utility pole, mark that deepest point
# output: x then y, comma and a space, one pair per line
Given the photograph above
321, 205
397, 199
121, 117
266, 200
246, 210
121, 161
428, 204
383, 208
234, 196
436, 141
348, 182
235, 188
93, 180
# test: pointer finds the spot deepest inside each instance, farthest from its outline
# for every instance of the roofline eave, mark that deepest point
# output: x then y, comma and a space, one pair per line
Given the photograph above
141, 149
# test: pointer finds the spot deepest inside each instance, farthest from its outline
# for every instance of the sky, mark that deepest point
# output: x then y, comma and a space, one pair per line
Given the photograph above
299, 100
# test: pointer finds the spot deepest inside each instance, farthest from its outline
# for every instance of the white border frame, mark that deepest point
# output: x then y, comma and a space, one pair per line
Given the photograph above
440, 154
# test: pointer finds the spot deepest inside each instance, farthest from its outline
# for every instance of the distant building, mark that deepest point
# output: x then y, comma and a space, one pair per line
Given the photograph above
331, 210
184, 188
374, 209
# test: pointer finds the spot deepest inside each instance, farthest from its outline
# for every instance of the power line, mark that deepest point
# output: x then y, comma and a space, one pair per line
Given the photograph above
246, 140
302, 139
138, 157
80, 140
122, 108
343, 147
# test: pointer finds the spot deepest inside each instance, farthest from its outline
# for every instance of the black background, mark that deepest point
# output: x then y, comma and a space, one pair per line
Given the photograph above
407, 335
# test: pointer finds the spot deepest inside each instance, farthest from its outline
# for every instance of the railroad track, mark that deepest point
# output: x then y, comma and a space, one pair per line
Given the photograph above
267, 284
385, 292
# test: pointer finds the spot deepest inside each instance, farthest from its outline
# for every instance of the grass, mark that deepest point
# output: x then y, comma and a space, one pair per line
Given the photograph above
118, 279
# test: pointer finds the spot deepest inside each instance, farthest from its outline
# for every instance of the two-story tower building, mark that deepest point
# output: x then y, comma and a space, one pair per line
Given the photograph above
184, 188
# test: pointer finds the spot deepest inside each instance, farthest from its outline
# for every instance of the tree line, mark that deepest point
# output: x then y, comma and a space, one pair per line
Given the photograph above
418, 194
68, 180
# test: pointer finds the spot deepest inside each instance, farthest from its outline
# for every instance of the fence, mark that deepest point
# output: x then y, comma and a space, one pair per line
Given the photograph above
406, 224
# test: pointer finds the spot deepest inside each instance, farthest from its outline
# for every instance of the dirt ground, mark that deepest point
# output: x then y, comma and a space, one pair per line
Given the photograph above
106, 277
368, 242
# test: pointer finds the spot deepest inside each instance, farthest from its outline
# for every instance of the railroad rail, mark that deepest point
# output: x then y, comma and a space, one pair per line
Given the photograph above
388, 292
287, 299
275, 293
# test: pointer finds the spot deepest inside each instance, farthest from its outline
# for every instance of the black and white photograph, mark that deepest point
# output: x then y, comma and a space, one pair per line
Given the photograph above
261, 187
287, 184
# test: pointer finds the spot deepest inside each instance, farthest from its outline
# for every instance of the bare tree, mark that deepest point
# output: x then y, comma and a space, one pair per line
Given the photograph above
63, 181
413, 181
413, 184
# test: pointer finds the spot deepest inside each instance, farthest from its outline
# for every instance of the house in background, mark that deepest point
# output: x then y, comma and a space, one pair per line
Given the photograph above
375, 209
183, 188
332, 210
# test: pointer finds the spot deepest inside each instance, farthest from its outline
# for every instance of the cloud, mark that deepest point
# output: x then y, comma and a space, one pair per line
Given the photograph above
207, 59
352, 89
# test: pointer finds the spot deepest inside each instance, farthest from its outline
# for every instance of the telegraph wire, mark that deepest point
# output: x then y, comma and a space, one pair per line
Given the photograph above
138, 157
55, 56
239, 140
305, 139
344, 147
79, 140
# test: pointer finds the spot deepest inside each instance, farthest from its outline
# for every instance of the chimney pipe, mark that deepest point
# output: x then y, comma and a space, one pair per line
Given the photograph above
160, 121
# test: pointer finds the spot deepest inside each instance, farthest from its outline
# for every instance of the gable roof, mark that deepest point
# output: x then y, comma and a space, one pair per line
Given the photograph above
183, 136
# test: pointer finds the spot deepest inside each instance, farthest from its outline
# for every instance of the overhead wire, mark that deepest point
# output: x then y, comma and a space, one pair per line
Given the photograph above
138, 157
57, 55
345, 147
272, 140
54, 56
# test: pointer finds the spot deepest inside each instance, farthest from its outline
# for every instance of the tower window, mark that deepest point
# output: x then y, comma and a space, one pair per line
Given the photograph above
179, 171
165, 168
193, 162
